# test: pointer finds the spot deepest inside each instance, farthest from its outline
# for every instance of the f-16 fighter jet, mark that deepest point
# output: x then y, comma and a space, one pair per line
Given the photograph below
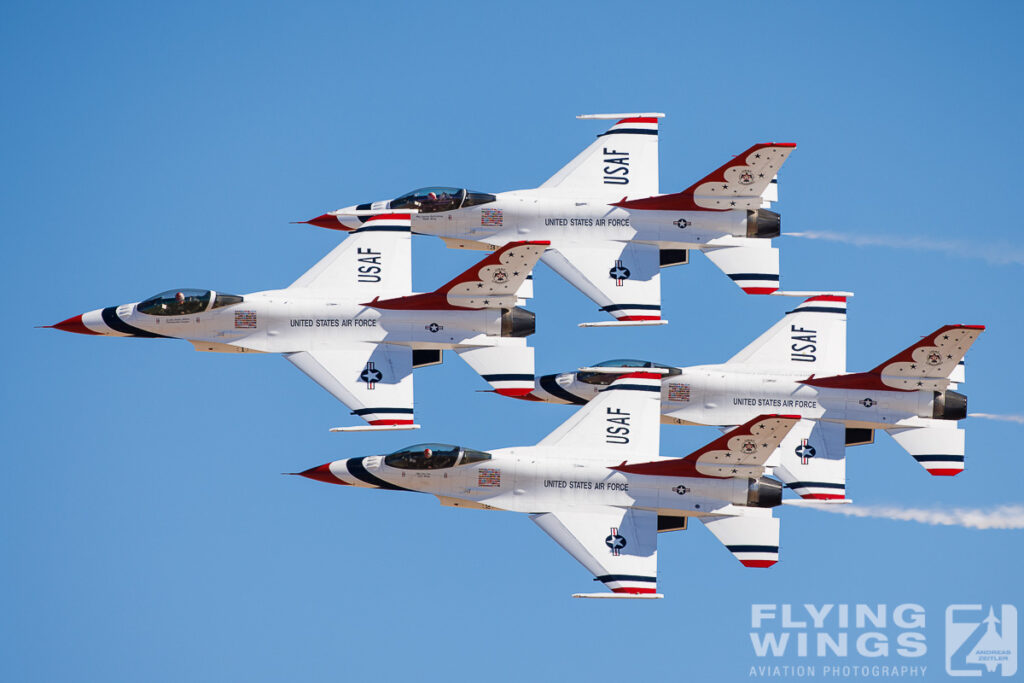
598, 487
799, 365
610, 231
351, 324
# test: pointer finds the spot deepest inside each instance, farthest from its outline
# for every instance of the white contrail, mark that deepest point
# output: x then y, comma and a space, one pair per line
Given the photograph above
1019, 419
1000, 254
1001, 517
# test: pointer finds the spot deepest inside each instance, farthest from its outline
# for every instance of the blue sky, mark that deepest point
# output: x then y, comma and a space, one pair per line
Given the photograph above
147, 532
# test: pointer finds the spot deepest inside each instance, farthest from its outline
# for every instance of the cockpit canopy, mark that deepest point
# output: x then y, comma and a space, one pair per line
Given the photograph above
433, 456
602, 379
186, 302
434, 199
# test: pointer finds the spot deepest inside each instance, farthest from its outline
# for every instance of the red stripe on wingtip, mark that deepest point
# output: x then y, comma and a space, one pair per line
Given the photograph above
376, 423
75, 325
973, 327
515, 393
638, 317
945, 473
759, 290
635, 591
758, 563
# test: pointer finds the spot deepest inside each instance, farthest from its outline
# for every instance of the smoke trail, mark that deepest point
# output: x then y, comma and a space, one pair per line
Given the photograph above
1019, 419
999, 254
1001, 517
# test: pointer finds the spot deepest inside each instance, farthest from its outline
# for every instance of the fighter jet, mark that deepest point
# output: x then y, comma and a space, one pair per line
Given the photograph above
799, 365
610, 231
598, 487
351, 323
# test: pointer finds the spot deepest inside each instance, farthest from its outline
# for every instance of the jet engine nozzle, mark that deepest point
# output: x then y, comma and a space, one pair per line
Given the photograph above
764, 492
763, 223
517, 322
949, 405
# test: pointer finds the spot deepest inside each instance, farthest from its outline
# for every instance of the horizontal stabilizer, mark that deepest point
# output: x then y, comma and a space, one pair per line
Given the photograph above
938, 446
752, 538
507, 368
751, 263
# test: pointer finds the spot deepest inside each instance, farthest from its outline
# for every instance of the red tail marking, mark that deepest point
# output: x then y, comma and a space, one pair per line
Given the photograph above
390, 422
635, 591
638, 119
759, 290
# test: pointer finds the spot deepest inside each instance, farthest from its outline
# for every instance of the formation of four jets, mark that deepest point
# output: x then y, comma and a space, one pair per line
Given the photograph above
597, 485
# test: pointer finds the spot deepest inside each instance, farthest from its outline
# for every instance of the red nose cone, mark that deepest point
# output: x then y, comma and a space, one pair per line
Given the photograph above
525, 394
326, 221
322, 473
73, 325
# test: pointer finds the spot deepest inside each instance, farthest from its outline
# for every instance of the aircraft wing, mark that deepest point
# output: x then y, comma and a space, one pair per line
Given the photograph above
623, 279
374, 380
811, 460
619, 547
375, 260
743, 452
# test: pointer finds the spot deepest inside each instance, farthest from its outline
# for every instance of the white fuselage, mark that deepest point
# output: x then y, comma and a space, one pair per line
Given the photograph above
544, 214
539, 479
290, 320
721, 395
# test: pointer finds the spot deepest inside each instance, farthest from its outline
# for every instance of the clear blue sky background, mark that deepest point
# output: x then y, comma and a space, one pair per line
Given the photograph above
146, 531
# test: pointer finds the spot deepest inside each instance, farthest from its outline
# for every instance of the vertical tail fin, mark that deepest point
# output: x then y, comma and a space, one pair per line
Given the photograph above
622, 161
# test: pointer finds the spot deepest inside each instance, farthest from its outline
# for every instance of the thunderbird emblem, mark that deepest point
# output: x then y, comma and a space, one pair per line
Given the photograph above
500, 275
